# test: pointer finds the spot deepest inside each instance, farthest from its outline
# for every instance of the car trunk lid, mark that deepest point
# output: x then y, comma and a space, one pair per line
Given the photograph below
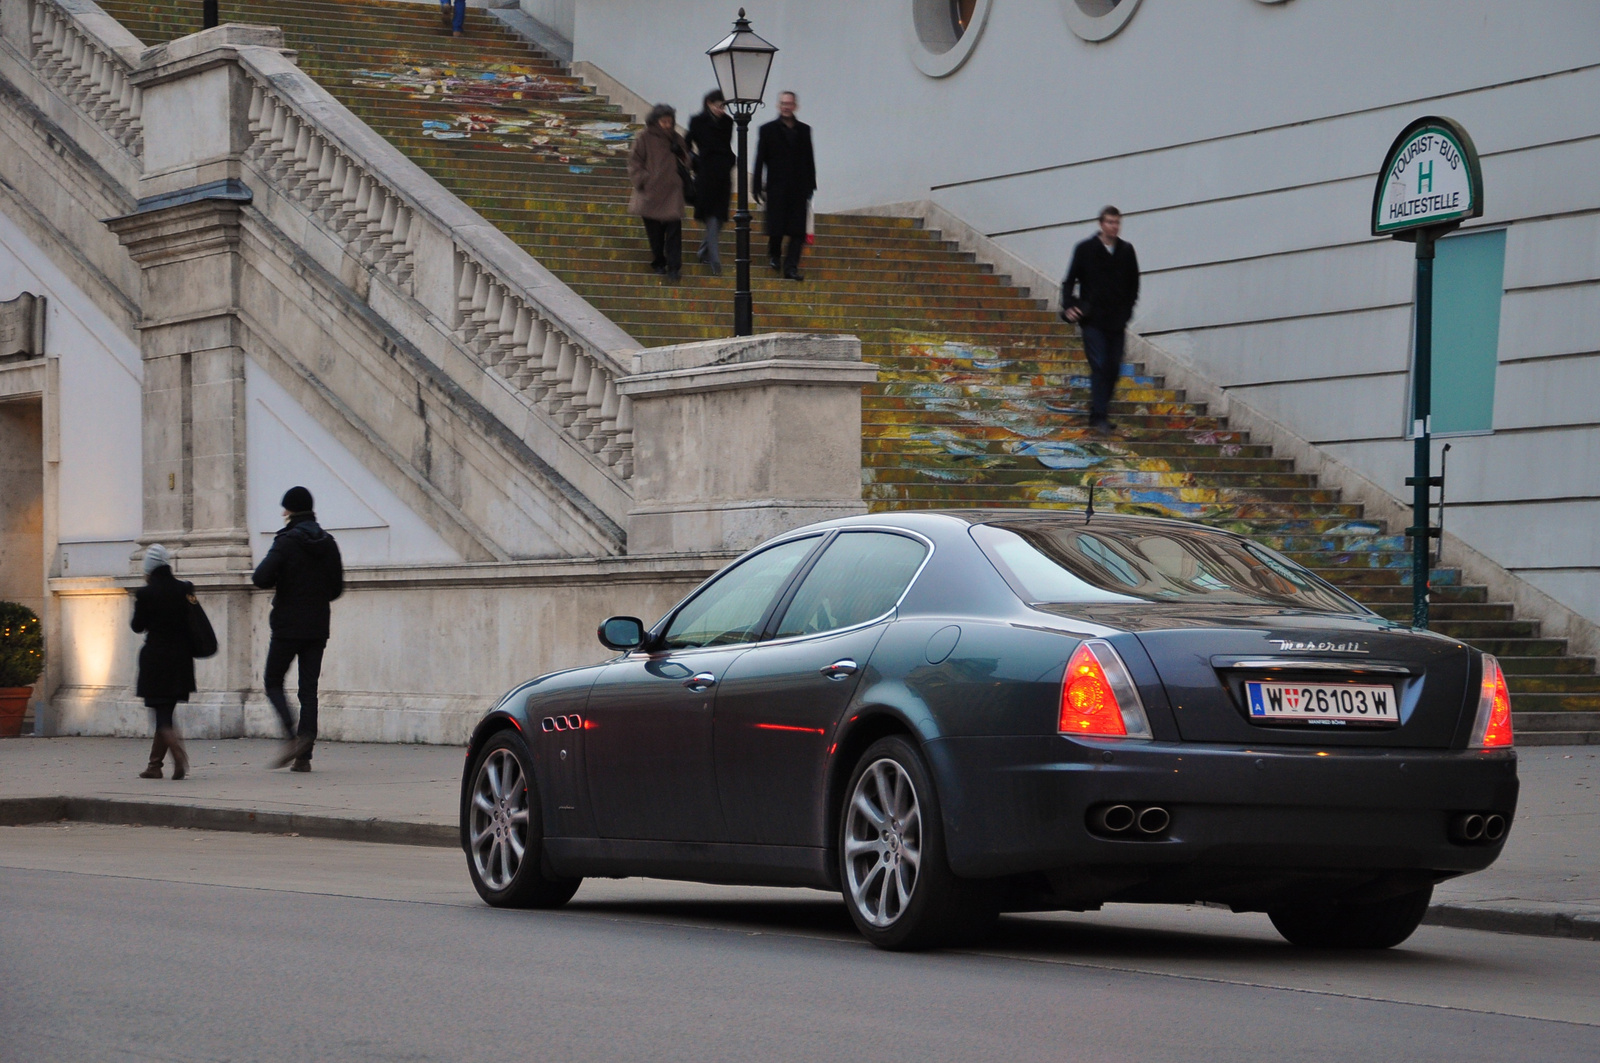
1207, 655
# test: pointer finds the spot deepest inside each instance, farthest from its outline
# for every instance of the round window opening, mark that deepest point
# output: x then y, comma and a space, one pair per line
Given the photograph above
944, 32
1096, 20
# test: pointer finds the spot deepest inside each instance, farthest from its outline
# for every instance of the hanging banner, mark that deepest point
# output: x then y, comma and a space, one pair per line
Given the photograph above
1430, 177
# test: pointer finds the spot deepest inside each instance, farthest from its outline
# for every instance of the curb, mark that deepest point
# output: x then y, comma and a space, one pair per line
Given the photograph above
20, 811
1530, 922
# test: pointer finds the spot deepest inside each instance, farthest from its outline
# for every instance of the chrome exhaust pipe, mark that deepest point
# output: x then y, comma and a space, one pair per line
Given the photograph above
1494, 827
1469, 827
1112, 819
1154, 820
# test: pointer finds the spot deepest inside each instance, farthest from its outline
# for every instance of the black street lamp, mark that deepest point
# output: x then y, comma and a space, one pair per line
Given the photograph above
208, 14
742, 61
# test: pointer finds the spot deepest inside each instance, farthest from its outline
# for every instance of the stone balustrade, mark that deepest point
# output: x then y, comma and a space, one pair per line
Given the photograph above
87, 56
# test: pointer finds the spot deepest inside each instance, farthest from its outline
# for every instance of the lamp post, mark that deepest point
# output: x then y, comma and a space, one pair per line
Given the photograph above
741, 62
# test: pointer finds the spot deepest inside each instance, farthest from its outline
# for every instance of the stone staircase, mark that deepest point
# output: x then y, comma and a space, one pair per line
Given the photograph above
981, 392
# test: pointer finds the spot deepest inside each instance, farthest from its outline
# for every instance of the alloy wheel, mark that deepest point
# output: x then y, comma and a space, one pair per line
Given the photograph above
883, 843
498, 829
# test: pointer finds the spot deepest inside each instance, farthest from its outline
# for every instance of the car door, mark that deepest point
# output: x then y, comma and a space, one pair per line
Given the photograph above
648, 739
778, 703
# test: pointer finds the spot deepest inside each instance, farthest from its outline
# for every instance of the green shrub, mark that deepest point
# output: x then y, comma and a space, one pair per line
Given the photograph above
21, 646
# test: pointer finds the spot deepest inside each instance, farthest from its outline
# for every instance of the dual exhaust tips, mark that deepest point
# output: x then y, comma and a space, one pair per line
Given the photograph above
1478, 828
1126, 819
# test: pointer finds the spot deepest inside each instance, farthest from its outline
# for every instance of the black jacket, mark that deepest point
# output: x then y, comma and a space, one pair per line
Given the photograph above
1108, 281
161, 614
305, 568
785, 170
711, 142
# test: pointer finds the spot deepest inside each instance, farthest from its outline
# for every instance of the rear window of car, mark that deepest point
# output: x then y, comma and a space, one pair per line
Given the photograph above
1075, 563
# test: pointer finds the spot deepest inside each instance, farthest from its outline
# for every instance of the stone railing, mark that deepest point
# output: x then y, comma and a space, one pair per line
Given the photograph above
515, 318
87, 56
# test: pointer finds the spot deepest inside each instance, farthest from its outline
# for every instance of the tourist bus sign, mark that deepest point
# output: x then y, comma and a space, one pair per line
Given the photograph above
1429, 184
1430, 177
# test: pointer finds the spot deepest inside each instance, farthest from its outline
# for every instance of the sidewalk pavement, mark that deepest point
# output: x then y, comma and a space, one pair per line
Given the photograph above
1547, 882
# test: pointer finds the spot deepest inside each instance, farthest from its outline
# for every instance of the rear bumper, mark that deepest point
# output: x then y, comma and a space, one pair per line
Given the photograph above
1243, 820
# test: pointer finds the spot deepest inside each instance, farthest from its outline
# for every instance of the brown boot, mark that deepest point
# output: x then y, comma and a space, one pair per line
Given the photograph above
180, 755
158, 752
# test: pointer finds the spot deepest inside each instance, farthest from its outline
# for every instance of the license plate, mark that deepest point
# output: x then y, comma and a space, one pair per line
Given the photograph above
1335, 704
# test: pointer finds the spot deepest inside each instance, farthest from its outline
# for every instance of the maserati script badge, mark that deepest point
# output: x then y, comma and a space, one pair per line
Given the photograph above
1289, 645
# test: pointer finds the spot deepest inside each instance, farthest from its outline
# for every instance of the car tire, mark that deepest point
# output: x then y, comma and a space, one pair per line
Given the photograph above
893, 871
501, 814
1376, 925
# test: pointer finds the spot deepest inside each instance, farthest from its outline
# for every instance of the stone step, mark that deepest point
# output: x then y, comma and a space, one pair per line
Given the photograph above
1545, 665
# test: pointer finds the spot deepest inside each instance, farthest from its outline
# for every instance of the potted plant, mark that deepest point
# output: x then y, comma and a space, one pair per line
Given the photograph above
21, 661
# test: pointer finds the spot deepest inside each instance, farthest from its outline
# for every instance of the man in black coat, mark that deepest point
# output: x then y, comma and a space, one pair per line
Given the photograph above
786, 176
1105, 272
306, 573
711, 145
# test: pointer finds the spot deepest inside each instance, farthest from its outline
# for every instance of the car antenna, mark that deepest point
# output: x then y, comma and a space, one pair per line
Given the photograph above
1089, 513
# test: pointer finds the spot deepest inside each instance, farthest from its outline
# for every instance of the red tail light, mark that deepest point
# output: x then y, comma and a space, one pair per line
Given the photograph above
1492, 728
1098, 696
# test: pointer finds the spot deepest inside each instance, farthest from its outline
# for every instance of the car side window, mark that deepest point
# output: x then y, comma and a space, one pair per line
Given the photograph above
731, 609
861, 576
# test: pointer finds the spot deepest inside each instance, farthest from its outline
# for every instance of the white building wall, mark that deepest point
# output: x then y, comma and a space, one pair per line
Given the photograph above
100, 487
285, 446
1241, 139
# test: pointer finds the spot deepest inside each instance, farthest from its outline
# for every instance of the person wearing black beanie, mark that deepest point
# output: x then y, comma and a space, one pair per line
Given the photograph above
305, 572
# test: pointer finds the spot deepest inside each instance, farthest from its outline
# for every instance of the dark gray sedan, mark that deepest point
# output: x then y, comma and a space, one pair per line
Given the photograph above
949, 715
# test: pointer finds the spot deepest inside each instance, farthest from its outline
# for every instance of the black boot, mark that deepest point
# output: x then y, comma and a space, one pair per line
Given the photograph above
158, 752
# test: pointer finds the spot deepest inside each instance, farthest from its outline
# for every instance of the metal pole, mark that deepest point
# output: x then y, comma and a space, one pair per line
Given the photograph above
743, 311
1421, 405
208, 14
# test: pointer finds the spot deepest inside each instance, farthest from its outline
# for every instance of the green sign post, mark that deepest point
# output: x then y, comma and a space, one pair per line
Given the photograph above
1430, 183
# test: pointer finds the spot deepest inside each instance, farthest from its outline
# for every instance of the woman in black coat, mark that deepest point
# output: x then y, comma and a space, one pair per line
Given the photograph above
711, 144
166, 667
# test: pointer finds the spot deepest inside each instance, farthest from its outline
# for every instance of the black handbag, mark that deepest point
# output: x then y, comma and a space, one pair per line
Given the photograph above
202, 639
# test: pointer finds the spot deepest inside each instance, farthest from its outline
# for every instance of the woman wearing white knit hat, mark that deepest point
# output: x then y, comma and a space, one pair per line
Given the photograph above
166, 666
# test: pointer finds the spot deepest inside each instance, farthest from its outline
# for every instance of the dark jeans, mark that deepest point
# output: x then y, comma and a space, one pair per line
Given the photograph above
666, 244
280, 652
790, 261
1103, 347
710, 251
460, 19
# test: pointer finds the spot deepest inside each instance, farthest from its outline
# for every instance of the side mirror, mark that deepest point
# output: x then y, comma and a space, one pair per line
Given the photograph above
622, 633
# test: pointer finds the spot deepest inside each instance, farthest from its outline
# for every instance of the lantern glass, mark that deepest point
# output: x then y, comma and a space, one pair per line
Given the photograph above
742, 62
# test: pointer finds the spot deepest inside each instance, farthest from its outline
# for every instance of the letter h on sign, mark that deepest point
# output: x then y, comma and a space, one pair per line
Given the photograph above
1424, 173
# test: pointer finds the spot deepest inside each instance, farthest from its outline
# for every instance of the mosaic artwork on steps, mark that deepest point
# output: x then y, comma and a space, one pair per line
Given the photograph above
475, 92
1027, 448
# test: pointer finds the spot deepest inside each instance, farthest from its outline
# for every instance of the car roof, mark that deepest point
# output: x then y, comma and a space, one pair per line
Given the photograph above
928, 520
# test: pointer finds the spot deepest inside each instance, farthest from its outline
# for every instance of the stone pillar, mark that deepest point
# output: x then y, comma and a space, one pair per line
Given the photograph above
184, 235
737, 440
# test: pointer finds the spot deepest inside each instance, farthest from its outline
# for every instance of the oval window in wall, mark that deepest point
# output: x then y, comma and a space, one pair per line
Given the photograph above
944, 32
1095, 20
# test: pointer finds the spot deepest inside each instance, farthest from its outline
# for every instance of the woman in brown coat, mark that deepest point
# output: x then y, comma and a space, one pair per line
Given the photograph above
656, 167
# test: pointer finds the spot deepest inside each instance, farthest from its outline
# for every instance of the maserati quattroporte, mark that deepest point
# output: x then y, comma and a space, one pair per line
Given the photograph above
945, 716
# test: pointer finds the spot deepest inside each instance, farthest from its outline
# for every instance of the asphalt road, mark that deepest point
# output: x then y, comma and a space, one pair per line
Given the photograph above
122, 943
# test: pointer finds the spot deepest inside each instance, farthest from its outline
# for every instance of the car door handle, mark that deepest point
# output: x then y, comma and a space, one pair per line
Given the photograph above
841, 669
702, 681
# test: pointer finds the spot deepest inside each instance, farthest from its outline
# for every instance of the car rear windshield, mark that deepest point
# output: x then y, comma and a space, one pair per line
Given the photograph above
1049, 563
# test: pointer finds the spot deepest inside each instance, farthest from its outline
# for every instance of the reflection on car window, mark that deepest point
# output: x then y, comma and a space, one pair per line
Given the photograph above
860, 576
1047, 562
730, 610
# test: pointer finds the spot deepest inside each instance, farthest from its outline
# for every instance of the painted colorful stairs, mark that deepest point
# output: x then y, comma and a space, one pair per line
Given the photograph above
981, 389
